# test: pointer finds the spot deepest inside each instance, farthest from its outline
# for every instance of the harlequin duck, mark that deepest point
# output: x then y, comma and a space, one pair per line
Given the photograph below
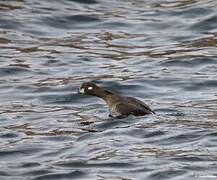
119, 106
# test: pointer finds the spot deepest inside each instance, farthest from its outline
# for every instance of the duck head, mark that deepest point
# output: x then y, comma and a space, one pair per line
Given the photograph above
89, 88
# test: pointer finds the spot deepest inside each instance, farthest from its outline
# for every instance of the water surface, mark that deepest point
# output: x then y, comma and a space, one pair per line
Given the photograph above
162, 52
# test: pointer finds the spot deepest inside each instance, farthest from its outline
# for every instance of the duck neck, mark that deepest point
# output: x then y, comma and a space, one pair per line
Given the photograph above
103, 93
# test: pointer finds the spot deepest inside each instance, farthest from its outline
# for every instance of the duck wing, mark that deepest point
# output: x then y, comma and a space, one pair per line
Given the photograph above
138, 104
123, 110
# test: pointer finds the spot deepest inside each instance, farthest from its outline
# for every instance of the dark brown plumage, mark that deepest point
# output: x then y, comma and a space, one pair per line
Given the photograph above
119, 106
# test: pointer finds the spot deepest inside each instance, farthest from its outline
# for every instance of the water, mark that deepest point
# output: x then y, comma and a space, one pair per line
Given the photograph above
163, 52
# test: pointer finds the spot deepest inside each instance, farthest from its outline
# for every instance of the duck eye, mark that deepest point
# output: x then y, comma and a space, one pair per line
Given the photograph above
90, 88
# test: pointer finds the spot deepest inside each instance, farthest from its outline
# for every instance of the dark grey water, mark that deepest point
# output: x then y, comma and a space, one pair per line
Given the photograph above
163, 52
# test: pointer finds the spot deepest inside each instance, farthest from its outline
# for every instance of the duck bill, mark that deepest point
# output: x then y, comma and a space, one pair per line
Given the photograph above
81, 91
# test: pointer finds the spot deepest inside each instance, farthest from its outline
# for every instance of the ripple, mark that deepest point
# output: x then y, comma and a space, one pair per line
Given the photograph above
9, 135
84, 164
9, 24
73, 174
70, 21
38, 173
7, 71
4, 40
84, 1
167, 174
189, 62
206, 24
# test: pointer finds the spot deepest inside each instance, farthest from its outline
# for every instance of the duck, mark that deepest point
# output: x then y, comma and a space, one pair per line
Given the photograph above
119, 106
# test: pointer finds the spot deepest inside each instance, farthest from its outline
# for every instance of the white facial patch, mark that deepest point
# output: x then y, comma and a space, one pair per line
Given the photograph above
90, 88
